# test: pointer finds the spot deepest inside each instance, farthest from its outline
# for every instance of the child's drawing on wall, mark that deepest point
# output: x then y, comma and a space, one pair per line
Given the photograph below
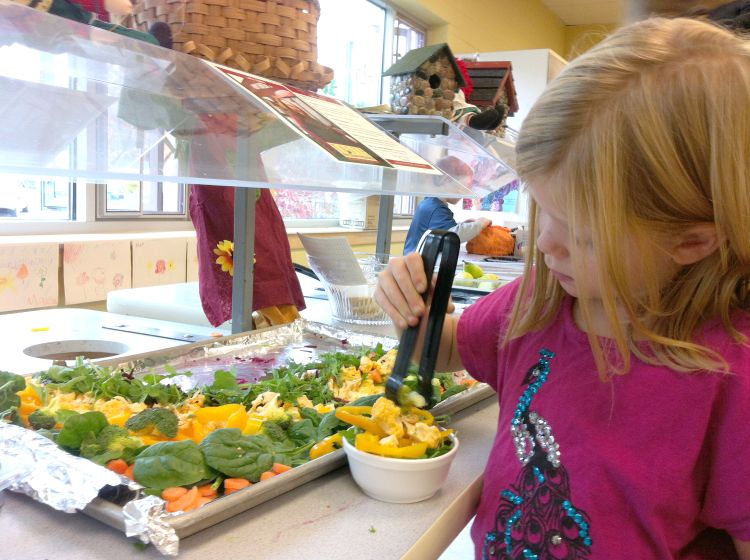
24, 274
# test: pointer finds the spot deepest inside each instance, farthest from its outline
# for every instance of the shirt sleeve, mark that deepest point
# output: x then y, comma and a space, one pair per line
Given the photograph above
467, 231
726, 505
479, 333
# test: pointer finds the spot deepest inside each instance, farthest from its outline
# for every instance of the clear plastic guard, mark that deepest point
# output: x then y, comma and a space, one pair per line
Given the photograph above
136, 111
481, 162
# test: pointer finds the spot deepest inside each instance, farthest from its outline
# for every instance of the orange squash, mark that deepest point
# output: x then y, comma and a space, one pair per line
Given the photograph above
494, 241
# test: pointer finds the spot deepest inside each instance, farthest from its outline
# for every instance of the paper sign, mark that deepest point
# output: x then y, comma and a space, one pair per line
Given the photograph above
334, 126
192, 260
92, 269
158, 261
333, 260
28, 276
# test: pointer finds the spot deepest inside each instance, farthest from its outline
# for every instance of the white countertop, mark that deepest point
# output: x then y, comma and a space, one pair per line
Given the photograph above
20, 331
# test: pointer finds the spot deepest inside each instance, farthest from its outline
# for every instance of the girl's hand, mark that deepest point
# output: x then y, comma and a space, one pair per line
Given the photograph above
400, 288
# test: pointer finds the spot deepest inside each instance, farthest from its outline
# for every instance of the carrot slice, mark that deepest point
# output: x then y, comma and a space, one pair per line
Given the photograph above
117, 465
129, 472
234, 484
207, 491
183, 502
199, 501
266, 475
279, 468
173, 493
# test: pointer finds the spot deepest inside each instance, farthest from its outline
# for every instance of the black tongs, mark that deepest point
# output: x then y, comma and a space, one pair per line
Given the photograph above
445, 244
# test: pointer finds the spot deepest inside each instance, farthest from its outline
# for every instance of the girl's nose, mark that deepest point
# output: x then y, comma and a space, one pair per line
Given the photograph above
552, 239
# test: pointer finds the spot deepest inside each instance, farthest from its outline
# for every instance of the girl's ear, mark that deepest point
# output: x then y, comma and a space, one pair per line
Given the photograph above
694, 244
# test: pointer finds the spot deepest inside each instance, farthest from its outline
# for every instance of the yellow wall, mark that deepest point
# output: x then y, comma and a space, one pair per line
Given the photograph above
472, 26
580, 38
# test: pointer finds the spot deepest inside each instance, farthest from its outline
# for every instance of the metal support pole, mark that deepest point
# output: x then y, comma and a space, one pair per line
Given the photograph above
385, 214
244, 251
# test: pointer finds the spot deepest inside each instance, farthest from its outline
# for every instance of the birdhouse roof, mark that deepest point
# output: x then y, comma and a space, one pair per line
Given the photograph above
412, 60
489, 79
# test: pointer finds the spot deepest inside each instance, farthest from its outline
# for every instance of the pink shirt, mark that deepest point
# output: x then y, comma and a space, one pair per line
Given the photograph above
638, 468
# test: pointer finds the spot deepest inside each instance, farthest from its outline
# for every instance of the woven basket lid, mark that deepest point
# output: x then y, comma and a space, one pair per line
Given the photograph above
272, 38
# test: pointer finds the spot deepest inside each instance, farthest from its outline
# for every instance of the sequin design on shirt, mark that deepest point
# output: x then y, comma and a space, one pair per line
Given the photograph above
536, 518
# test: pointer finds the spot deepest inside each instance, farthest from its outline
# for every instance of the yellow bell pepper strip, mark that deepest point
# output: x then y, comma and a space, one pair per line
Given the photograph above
370, 443
253, 425
30, 401
355, 415
326, 446
237, 419
217, 413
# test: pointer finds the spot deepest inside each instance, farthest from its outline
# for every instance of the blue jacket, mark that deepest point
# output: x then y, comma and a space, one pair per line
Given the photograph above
432, 213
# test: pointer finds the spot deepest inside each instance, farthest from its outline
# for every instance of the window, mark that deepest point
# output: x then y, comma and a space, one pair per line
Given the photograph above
26, 199
153, 199
139, 199
40, 198
407, 36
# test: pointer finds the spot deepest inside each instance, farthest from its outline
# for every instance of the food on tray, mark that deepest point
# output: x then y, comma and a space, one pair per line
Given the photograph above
193, 446
473, 269
473, 276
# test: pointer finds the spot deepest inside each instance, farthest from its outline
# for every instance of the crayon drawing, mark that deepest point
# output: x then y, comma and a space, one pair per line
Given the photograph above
158, 261
93, 268
28, 276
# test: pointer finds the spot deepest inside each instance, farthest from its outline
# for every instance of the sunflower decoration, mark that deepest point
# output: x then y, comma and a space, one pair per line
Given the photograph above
224, 250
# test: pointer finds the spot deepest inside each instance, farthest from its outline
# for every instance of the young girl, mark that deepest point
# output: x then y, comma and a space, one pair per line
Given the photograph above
621, 358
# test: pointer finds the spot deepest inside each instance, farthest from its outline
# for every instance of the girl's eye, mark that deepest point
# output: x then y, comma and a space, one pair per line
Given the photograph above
585, 242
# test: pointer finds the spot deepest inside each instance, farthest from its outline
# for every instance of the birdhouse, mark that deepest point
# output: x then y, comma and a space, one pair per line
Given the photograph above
493, 85
424, 82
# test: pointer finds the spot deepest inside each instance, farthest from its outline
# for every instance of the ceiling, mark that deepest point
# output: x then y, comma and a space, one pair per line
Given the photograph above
584, 12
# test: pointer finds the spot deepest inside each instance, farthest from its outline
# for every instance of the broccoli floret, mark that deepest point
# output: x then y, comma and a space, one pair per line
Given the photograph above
112, 442
42, 419
279, 416
164, 420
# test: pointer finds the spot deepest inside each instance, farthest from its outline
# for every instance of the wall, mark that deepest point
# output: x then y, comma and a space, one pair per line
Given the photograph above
481, 25
177, 247
580, 38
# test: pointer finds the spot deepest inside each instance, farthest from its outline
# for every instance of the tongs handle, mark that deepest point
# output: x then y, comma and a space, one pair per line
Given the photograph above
445, 244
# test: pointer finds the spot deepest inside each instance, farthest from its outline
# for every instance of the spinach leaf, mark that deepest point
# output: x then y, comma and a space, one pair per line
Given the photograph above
232, 454
275, 431
312, 415
454, 390
171, 463
328, 425
10, 384
80, 427
302, 432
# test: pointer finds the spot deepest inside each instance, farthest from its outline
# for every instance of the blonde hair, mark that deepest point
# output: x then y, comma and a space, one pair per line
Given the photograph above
649, 133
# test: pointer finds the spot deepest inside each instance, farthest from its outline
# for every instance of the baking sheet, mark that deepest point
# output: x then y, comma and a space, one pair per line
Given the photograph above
250, 355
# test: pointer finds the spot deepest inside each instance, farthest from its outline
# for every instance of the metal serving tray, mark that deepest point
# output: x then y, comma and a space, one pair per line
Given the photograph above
252, 353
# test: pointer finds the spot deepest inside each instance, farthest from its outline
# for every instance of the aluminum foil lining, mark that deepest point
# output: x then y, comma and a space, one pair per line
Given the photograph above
144, 518
251, 354
52, 475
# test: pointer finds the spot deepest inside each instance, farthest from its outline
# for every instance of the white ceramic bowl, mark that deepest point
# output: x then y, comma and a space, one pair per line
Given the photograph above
400, 481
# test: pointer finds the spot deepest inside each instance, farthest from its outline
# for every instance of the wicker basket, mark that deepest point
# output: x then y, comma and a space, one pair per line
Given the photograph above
274, 38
